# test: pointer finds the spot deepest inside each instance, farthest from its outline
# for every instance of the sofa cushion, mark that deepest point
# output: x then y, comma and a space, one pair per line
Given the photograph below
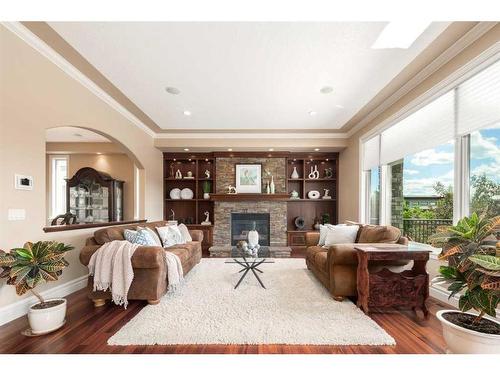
184, 251
378, 234
109, 234
341, 234
170, 235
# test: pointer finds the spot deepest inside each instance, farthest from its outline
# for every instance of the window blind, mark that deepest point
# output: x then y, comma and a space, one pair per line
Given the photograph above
478, 101
371, 153
426, 128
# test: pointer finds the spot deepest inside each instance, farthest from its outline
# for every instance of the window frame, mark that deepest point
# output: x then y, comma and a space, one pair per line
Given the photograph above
51, 178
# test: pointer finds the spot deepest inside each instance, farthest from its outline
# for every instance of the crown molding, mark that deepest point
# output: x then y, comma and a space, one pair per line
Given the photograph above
251, 135
45, 50
466, 40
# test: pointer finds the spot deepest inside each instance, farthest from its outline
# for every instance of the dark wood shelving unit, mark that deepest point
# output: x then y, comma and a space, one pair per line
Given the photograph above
309, 209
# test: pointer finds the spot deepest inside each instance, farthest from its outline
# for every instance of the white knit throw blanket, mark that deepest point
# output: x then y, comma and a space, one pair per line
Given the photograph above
111, 267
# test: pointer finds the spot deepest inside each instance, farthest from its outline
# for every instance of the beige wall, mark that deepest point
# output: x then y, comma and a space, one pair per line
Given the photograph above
36, 95
349, 182
118, 166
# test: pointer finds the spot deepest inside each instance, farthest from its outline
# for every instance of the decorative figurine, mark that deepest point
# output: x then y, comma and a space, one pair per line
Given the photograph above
207, 219
207, 173
231, 189
314, 175
326, 196
178, 174
294, 195
172, 173
189, 175
328, 172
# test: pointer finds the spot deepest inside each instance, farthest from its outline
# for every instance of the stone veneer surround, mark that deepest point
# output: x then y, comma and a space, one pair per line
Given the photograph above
222, 219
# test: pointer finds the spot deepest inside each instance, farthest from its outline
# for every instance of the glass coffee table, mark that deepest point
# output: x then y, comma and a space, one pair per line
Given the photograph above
249, 263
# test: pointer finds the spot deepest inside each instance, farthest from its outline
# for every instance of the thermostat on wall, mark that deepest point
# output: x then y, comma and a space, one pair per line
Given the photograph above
22, 182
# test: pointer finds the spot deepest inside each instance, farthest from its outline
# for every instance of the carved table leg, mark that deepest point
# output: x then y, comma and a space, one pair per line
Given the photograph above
363, 282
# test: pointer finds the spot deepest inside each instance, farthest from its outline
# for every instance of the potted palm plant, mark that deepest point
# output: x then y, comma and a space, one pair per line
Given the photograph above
26, 268
472, 250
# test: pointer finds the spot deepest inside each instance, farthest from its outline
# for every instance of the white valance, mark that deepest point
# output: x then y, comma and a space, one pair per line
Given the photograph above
478, 101
428, 127
371, 153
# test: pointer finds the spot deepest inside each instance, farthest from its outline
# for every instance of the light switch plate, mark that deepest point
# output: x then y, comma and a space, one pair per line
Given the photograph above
16, 214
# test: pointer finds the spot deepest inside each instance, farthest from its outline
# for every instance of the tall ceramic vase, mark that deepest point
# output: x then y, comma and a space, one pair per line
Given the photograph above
273, 188
253, 237
295, 174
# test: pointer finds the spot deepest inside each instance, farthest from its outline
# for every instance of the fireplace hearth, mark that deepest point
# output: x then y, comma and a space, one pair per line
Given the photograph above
242, 223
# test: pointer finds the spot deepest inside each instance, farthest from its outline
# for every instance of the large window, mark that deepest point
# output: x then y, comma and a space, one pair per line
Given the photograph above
58, 175
440, 162
484, 172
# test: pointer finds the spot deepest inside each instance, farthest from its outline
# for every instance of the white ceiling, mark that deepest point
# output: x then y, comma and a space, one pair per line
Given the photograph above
72, 134
244, 75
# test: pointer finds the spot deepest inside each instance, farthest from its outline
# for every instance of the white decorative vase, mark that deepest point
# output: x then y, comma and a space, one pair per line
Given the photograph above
272, 185
47, 320
461, 340
206, 195
295, 174
253, 238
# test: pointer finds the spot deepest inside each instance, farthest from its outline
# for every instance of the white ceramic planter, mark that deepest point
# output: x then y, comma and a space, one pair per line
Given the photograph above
47, 320
465, 341
206, 195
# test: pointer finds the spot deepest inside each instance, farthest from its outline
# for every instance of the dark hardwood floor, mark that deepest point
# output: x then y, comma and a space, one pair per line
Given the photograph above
87, 330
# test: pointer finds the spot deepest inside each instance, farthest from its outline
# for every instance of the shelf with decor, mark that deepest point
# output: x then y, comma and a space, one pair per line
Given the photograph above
199, 166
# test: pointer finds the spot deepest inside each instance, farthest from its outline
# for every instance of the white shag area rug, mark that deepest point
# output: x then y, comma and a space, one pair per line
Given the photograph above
294, 309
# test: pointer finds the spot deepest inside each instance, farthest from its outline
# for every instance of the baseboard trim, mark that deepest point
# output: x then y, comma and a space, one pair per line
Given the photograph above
20, 308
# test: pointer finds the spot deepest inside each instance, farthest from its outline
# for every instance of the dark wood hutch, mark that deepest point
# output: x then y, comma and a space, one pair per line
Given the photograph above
190, 211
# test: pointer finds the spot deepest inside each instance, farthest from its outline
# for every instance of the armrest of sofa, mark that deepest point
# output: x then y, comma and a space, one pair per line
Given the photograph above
342, 254
196, 235
312, 238
144, 256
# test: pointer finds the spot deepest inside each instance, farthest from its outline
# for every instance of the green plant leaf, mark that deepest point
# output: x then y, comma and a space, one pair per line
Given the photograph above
24, 253
489, 262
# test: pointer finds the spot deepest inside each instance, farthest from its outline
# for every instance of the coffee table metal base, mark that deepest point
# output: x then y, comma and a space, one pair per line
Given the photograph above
250, 266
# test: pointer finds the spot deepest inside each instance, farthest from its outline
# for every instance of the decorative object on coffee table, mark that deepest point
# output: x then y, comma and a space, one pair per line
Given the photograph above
383, 289
228, 251
207, 219
248, 178
299, 222
37, 263
313, 194
253, 238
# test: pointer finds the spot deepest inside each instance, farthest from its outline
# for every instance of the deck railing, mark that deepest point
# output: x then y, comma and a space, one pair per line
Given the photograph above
419, 230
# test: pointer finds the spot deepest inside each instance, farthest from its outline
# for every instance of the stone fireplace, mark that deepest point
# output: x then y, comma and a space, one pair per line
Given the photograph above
226, 212
242, 223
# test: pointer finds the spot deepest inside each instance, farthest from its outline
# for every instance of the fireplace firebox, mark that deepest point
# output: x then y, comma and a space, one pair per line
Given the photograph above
242, 223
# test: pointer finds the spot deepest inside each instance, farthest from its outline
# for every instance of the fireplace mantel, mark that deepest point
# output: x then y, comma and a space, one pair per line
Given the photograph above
249, 197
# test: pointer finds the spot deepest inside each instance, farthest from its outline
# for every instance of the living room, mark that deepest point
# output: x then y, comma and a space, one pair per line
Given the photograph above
250, 187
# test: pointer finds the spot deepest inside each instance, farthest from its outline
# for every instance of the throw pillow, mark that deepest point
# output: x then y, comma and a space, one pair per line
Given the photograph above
140, 237
185, 233
323, 231
341, 234
153, 235
170, 235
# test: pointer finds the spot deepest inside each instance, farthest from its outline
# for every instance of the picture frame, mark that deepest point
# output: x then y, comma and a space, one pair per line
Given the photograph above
249, 178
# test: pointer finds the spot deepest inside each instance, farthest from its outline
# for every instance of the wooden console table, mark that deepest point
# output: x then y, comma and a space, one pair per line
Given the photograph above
382, 289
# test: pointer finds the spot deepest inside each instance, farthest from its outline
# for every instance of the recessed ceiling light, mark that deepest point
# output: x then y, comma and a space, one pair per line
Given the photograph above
339, 106
230, 149
313, 113
99, 153
187, 113
326, 89
316, 149
400, 34
78, 135
186, 149
172, 90
271, 149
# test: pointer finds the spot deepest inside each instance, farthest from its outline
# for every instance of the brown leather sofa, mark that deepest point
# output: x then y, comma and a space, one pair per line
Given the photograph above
336, 266
150, 274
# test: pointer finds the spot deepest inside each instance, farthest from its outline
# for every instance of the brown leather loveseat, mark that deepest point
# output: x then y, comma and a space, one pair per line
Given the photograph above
150, 274
336, 266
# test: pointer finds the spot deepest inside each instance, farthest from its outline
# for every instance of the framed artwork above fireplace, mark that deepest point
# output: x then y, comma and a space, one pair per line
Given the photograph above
249, 178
